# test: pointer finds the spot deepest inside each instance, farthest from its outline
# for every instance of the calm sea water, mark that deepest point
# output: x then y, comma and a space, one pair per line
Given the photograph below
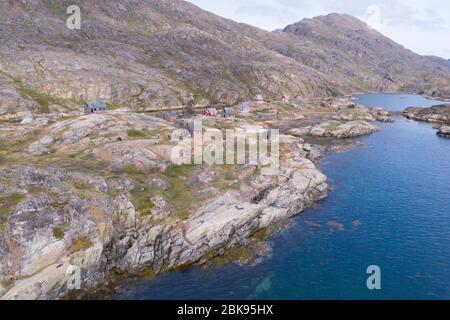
396, 102
390, 206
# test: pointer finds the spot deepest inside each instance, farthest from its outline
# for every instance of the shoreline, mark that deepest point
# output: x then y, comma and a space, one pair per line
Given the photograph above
133, 244
139, 291
428, 97
216, 226
243, 253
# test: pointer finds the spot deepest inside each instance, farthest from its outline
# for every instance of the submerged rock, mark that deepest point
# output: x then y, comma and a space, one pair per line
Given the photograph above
444, 131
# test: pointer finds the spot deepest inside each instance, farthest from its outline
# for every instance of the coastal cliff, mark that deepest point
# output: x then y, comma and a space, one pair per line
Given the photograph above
59, 218
100, 193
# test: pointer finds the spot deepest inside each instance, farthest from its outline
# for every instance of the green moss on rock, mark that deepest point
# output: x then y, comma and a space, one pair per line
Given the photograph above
141, 200
42, 99
81, 244
7, 203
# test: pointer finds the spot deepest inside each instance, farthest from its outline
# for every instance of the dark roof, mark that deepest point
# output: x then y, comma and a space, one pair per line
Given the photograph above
96, 105
228, 110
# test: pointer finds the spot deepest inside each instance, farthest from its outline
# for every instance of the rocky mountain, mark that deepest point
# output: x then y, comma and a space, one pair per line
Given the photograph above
100, 195
365, 59
154, 54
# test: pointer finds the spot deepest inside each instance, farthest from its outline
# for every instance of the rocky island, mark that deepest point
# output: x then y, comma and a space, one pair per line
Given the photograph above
99, 192
439, 114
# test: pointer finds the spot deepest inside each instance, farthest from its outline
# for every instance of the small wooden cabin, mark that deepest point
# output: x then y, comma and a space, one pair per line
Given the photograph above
95, 107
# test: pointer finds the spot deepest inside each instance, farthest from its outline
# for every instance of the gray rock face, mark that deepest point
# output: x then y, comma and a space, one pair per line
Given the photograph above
362, 113
62, 220
151, 54
363, 54
142, 54
353, 114
336, 129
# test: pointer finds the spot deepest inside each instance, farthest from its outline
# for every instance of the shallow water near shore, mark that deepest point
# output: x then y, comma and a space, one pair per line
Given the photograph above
390, 206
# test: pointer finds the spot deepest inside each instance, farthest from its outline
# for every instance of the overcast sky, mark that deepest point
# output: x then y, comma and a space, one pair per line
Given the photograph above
420, 25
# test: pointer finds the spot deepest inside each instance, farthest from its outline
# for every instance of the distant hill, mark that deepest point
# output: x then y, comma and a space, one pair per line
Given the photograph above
158, 53
353, 52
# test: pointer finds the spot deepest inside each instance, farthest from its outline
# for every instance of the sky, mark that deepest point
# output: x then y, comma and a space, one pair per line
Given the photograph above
420, 25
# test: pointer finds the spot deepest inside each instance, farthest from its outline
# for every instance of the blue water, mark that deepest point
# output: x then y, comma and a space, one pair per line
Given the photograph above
392, 197
396, 102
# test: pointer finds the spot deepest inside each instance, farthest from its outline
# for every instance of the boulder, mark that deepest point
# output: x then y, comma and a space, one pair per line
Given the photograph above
444, 131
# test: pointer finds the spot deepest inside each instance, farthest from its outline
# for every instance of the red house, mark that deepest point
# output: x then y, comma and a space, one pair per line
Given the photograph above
210, 112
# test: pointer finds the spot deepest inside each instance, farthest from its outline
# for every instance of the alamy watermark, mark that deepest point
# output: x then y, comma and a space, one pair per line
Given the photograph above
374, 280
73, 22
252, 146
73, 278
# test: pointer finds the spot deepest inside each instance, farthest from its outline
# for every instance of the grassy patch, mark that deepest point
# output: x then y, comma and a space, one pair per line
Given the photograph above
17, 144
139, 134
179, 194
355, 112
2, 158
141, 199
7, 203
177, 171
58, 233
7, 283
112, 106
81, 244
80, 185
131, 169
42, 99
87, 163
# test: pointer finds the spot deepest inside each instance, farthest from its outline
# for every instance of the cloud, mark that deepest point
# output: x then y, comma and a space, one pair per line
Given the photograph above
374, 16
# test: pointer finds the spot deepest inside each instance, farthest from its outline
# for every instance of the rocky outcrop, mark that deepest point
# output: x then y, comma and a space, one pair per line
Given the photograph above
363, 114
381, 115
354, 114
55, 222
336, 129
85, 132
444, 131
436, 114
